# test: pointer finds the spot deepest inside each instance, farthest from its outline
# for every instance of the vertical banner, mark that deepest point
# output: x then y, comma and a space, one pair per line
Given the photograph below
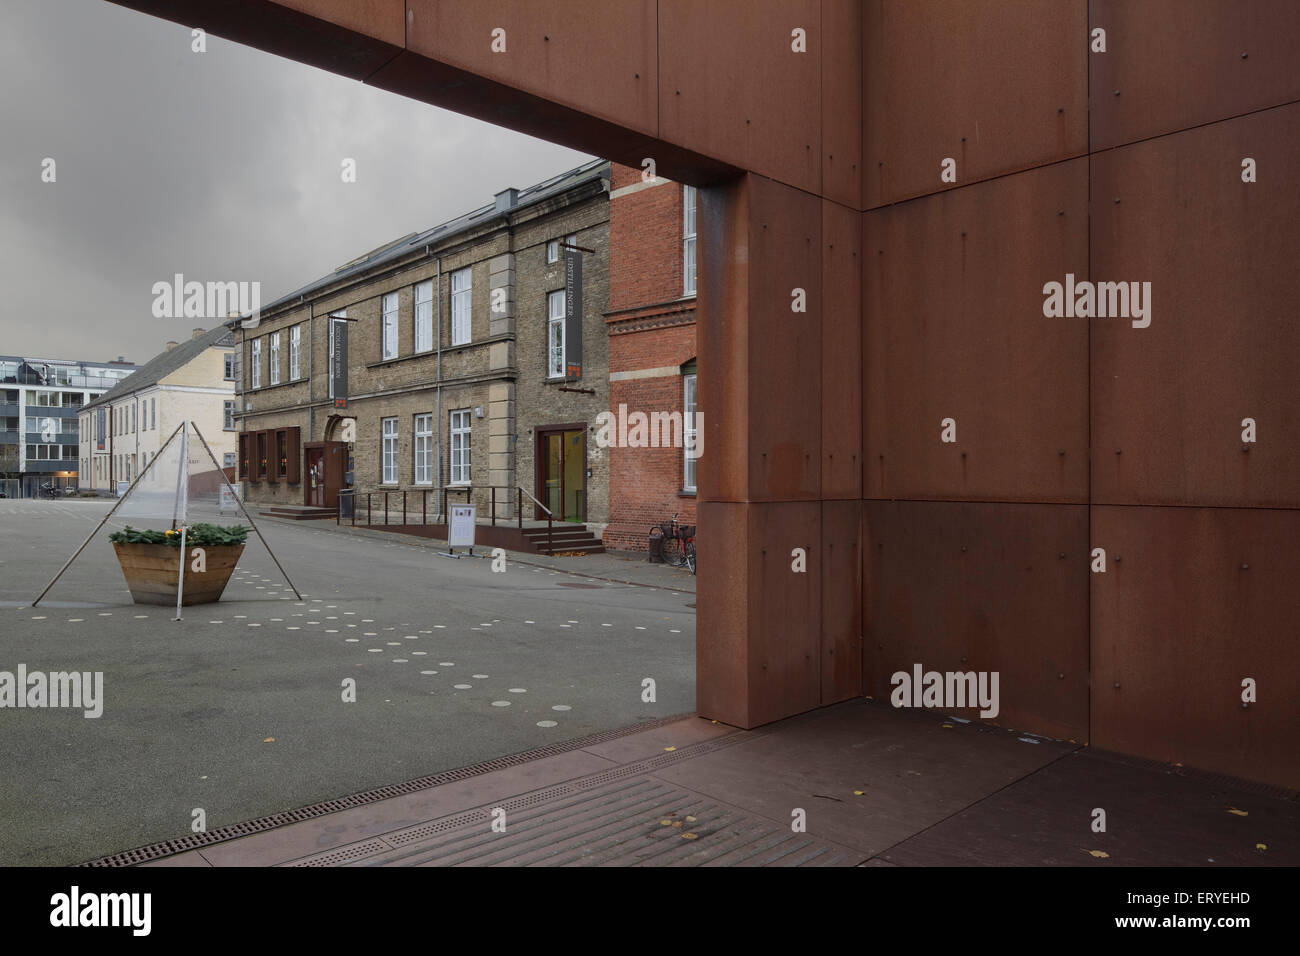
572, 314
339, 361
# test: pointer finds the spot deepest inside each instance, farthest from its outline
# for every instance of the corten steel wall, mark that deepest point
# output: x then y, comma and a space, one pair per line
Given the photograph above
823, 170
1074, 434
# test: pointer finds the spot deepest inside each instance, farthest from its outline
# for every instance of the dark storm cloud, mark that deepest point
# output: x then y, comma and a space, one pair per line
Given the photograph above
223, 166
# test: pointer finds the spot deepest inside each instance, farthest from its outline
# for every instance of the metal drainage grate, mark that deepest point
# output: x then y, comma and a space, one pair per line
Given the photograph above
194, 841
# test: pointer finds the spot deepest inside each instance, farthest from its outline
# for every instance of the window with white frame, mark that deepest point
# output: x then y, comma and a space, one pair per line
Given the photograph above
553, 248
555, 334
228, 412
688, 240
228, 459
460, 435
461, 290
424, 316
255, 362
153, 413
690, 436
295, 353
389, 432
275, 358
390, 325
230, 366
423, 449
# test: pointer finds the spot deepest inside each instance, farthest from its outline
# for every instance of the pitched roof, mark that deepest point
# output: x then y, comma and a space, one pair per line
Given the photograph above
166, 362
547, 188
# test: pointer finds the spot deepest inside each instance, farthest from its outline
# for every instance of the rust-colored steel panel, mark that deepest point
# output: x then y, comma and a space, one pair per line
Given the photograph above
785, 346
841, 378
597, 58
1175, 64
759, 652
463, 92
381, 19
997, 85
961, 587
722, 612
841, 105
760, 360
721, 332
1193, 602
352, 38
1169, 399
785, 610
841, 618
954, 329
732, 87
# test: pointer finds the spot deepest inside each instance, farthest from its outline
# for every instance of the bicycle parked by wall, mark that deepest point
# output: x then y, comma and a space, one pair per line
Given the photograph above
678, 544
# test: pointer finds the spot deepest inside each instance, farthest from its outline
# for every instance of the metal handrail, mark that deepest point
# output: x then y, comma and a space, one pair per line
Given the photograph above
534, 500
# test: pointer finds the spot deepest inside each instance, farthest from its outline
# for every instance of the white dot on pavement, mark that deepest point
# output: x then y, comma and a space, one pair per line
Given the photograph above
518, 690
480, 676
428, 672
375, 650
352, 640
400, 660
546, 723
561, 707
462, 686
500, 703
446, 664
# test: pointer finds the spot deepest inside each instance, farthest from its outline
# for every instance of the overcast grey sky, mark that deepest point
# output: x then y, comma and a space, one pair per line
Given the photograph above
222, 166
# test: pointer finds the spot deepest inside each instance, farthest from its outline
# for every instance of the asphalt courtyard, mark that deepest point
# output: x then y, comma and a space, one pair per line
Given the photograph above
238, 712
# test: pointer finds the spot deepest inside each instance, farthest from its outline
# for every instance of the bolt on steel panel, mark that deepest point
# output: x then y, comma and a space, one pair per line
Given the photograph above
841, 359
1169, 400
996, 85
841, 601
1174, 64
961, 587
1193, 602
841, 101
599, 58
954, 330
732, 87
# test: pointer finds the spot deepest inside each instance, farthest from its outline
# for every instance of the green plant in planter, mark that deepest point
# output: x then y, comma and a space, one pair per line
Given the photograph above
199, 534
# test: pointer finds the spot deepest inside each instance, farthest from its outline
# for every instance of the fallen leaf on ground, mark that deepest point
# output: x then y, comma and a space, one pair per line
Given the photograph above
1100, 854
1240, 813
1261, 846
670, 748
690, 836
269, 740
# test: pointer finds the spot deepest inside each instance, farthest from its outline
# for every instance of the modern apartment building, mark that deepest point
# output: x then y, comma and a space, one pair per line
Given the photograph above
652, 352
460, 358
124, 429
40, 402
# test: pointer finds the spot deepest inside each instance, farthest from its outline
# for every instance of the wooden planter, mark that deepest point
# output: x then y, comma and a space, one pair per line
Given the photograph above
151, 571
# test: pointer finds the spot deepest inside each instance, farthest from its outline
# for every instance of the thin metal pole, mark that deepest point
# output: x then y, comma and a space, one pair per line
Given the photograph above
385, 509
403, 509
424, 507
183, 504
494, 506
67, 564
213, 459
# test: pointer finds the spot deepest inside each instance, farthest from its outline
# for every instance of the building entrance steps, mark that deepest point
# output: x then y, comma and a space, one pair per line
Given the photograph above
873, 785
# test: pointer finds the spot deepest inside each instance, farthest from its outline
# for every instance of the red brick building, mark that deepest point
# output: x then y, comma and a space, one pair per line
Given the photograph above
651, 325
